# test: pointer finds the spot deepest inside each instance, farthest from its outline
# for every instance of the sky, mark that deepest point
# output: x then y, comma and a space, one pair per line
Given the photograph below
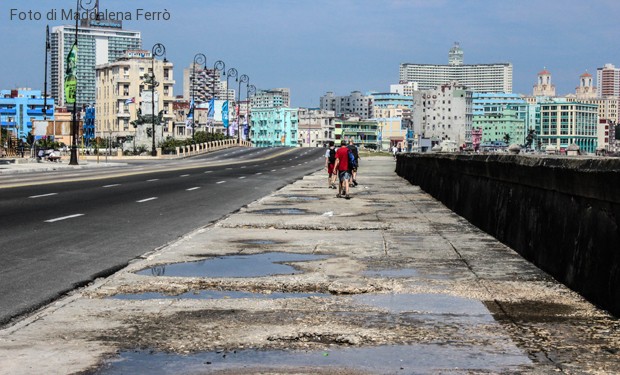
316, 46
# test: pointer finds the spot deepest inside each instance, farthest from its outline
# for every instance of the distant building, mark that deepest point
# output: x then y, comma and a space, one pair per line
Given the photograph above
608, 81
203, 84
444, 113
316, 127
365, 133
543, 86
122, 92
563, 123
477, 78
99, 42
504, 126
274, 126
496, 104
355, 104
405, 88
272, 98
586, 89
20, 108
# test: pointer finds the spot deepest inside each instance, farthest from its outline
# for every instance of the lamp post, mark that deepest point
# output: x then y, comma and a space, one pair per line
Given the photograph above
245, 79
232, 72
250, 89
86, 5
201, 59
157, 50
218, 66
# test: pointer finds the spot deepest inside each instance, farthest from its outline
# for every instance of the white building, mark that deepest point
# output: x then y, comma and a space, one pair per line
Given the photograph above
477, 77
608, 81
203, 84
405, 88
99, 42
355, 104
280, 97
444, 113
316, 127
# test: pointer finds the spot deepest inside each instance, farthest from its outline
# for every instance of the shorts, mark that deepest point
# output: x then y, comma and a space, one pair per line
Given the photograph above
344, 175
330, 169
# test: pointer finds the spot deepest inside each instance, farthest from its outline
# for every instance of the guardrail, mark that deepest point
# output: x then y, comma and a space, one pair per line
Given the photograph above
203, 148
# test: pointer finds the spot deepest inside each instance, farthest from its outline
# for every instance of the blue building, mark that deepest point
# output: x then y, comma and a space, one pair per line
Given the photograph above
20, 108
274, 127
391, 100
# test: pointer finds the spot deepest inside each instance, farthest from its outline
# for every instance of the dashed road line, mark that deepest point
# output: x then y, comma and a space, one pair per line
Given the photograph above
184, 175
109, 186
242, 177
153, 179
194, 188
220, 182
63, 218
42, 195
146, 200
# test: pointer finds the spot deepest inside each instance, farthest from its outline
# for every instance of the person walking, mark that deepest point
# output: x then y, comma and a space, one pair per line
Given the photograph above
330, 160
353, 167
342, 166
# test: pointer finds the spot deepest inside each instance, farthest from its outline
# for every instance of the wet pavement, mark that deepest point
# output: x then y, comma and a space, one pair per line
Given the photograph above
301, 282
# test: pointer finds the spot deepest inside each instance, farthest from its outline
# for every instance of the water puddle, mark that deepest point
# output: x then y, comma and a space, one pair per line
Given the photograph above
440, 304
299, 197
216, 294
280, 211
259, 242
254, 265
393, 359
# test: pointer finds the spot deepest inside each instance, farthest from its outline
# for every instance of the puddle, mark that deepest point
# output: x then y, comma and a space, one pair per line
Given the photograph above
280, 211
393, 359
259, 242
254, 265
405, 272
216, 294
439, 304
299, 197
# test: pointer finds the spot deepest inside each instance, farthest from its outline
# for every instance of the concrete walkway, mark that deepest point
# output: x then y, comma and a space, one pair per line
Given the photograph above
389, 282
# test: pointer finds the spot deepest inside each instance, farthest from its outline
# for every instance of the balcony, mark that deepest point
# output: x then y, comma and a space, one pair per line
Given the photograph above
123, 114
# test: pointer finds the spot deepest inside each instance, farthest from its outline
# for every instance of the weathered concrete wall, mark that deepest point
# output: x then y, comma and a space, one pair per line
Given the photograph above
562, 214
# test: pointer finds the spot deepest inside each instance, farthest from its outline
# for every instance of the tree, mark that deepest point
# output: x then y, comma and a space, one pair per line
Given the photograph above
531, 135
507, 138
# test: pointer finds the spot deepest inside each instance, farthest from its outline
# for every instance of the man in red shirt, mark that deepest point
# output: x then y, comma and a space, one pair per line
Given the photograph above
342, 166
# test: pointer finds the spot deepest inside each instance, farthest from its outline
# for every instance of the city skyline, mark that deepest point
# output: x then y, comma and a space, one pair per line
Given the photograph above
313, 47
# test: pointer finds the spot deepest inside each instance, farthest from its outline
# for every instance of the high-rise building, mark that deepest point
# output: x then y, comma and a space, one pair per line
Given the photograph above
280, 97
477, 78
99, 42
608, 81
355, 104
199, 83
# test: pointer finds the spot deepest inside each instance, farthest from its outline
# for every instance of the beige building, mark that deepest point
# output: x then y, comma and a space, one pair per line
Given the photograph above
316, 127
543, 87
122, 92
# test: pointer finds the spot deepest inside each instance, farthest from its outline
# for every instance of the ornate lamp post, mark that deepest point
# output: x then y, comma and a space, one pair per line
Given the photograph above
201, 59
243, 79
232, 72
250, 89
157, 51
218, 66
71, 88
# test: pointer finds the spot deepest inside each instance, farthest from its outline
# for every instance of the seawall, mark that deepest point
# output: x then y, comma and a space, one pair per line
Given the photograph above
562, 214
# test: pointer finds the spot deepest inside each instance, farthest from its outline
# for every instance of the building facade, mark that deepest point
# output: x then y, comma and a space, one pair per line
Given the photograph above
564, 123
271, 98
405, 88
444, 113
316, 127
504, 126
98, 43
608, 81
364, 133
355, 104
202, 84
477, 78
122, 93
21, 108
543, 86
274, 127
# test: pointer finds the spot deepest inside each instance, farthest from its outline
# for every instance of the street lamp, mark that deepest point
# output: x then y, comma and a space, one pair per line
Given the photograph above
250, 89
245, 79
157, 51
232, 72
86, 5
218, 66
201, 59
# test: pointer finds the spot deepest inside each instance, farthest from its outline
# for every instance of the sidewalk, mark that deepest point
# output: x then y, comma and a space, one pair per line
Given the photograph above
31, 165
389, 282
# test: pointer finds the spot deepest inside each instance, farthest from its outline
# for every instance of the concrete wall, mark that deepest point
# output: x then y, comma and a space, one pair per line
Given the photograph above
562, 214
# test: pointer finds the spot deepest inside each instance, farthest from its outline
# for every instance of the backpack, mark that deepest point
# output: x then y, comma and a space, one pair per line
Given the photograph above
352, 163
332, 156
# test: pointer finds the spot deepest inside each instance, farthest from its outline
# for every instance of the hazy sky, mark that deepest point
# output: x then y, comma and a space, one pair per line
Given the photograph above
315, 46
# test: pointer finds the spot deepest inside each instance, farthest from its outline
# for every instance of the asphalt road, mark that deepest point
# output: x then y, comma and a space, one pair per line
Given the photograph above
61, 230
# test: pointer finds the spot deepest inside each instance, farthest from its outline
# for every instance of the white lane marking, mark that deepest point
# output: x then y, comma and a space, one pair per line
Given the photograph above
146, 200
208, 171
243, 167
273, 170
184, 175
220, 182
42, 195
259, 173
109, 186
153, 179
242, 177
194, 188
63, 218
284, 168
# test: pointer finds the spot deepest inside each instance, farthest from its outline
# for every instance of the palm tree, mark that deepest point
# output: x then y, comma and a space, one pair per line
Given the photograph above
507, 138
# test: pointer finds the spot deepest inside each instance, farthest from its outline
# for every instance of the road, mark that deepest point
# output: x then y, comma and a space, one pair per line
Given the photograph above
61, 230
